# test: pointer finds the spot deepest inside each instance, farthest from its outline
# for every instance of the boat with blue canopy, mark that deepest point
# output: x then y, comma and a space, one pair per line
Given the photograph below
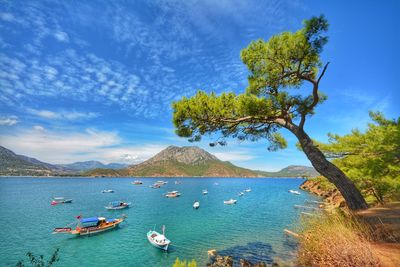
90, 226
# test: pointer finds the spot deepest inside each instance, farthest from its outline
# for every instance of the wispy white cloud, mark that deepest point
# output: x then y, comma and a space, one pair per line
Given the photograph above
61, 36
63, 115
67, 147
9, 121
234, 156
38, 128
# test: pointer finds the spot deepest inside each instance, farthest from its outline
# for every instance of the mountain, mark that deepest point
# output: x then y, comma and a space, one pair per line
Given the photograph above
91, 165
291, 171
13, 164
184, 161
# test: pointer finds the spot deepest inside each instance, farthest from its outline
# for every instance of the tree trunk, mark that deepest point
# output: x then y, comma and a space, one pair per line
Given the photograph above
349, 191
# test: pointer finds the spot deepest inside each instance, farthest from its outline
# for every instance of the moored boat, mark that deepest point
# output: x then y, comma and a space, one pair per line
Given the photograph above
117, 205
196, 204
158, 240
178, 182
241, 194
107, 191
60, 200
155, 186
230, 201
294, 192
172, 194
88, 226
247, 190
205, 192
137, 182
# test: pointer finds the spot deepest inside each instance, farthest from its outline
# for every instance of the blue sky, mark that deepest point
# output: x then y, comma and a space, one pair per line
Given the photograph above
83, 80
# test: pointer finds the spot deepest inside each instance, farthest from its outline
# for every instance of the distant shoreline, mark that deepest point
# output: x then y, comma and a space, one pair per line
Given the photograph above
150, 177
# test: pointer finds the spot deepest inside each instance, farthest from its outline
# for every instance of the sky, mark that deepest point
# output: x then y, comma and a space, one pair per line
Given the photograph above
94, 80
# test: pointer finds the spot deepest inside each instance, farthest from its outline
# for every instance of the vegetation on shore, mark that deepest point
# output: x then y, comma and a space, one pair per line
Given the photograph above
336, 239
184, 263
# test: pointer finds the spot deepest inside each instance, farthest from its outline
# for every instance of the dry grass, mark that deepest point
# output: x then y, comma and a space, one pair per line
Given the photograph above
336, 239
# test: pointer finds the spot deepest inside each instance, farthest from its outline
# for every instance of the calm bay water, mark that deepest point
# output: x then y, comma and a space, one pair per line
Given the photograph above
251, 229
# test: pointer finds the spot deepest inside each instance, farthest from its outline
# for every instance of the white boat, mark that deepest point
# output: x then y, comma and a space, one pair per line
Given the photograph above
107, 191
158, 240
196, 204
137, 182
178, 182
173, 194
205, 192
247, 190
161, 182
230, 201
294, 192
117, 205
241, 194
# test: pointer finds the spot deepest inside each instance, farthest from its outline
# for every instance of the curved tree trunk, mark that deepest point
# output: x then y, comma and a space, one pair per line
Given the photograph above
351, 194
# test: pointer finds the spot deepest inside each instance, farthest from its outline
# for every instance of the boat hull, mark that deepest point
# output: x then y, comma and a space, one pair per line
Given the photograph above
160, 246
96, 230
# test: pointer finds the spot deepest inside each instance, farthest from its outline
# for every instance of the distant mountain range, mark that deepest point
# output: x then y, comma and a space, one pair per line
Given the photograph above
13, 164
171, 162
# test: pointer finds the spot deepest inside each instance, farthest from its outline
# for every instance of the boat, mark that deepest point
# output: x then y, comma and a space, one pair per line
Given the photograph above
294, 192
117, 205
88, 226
247, 190
178, 182
158, 240
137, 182
205, 192
107, 191
172, 194
196, 204
241, 194
161, 182
230, 201
60, 200
155, 186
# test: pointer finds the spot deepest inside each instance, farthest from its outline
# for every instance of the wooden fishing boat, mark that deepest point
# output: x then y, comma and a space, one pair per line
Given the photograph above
158, 240
196, 204
117, 205
90, 226
230, 201
60, 200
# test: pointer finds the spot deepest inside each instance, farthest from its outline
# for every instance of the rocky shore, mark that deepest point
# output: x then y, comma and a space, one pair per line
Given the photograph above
330, 194
227, 261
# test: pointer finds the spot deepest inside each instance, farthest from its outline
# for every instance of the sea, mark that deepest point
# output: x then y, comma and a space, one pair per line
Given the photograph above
251, 229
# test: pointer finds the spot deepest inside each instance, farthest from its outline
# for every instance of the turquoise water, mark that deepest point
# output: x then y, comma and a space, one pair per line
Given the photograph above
252, 229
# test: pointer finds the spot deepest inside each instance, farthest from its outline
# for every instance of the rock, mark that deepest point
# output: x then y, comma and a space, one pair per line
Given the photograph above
246, 263
222, 261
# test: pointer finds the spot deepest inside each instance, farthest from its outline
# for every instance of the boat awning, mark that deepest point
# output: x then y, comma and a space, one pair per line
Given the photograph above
90, 220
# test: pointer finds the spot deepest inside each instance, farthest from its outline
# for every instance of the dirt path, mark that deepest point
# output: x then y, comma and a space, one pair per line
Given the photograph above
385, 221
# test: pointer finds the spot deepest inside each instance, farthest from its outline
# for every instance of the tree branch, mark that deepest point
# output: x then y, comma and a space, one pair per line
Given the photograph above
323, 72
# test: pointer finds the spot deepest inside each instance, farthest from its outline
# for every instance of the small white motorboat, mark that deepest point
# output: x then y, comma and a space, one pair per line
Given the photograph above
247, 190
178, 182
196, 204
241, 194
158, 240
205, 192
107, 191
230, 201
117, 205
173, 194
137, 182
294, 192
